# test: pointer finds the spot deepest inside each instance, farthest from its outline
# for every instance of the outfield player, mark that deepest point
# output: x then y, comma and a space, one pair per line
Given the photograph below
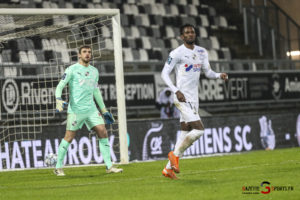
188, 60
83, 88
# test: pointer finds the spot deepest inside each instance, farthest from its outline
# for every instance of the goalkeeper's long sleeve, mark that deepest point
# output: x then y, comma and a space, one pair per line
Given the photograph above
59, 89
99, 100
63, 82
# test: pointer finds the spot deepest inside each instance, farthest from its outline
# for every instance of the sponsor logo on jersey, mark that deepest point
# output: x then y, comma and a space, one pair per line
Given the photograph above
195, 67
170, 60
194, 56
64, 76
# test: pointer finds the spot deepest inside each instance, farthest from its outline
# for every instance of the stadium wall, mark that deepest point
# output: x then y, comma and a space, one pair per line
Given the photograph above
153, 139
143, 90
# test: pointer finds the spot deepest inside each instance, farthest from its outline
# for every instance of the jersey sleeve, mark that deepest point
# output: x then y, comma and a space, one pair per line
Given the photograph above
66, 77
168, 67
209, 73
98, 96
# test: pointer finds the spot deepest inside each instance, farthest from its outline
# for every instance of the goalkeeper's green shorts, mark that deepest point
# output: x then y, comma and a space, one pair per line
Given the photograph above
76, 121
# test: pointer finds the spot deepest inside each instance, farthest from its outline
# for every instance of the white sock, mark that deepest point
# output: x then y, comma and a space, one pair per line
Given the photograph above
190, 138
179, 140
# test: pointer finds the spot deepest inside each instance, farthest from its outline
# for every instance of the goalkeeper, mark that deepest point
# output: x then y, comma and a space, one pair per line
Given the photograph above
83, 88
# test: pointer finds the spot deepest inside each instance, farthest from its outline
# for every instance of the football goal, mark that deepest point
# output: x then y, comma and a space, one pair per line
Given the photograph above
36, 46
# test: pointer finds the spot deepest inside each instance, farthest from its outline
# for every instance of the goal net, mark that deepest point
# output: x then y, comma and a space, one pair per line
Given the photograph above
36, 46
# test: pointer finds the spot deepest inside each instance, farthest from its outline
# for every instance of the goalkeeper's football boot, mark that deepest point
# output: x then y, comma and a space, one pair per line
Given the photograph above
59, 172
169, 173
114, 170
174, 161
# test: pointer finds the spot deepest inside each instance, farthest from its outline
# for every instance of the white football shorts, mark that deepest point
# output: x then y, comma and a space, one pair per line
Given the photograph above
188, 111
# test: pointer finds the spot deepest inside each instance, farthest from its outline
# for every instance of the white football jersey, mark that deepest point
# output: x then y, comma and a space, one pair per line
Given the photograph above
188, 65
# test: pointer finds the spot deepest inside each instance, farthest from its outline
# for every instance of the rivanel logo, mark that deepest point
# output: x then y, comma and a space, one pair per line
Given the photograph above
10, 95
265, 188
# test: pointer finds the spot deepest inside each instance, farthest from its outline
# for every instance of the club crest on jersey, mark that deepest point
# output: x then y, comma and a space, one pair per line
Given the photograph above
169, 60
195, 67
87, 73
74, 123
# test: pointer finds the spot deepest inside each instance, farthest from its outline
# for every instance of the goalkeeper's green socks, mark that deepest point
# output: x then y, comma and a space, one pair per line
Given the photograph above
62, 150
105, 151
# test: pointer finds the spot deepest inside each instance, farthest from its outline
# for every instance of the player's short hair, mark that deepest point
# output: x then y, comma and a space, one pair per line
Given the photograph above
84, 47
184, 26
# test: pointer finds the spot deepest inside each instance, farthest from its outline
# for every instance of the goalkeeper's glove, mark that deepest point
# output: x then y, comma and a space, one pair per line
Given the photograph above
108, 117
60, 104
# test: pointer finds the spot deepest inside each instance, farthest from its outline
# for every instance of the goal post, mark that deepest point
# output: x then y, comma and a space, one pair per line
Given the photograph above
56, 66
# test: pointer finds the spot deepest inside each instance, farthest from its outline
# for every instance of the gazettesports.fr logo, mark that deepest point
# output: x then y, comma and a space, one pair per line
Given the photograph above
265, 188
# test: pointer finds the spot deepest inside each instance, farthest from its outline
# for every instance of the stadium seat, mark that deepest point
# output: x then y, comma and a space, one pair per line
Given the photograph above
32, 57
6, 56
226, 53
143, 31
174, 43
143, 55
139, 43
131, 43
215, 43
135, 32
213, 55
91, 30
105, 32
91, 5
128, 56
165, 54
40, 56
192, 10
60, 20
49, 55
136, 55
69, 5
203, 32
23, 57
223, 22
109, 44
125, 43
156, 32
21, 44
212, 11
46, 4
173, 10
206, 43
204, 20
196, 2
146, 43
124, 20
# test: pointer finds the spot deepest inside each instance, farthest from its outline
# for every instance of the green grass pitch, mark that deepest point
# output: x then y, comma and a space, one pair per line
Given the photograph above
218, 177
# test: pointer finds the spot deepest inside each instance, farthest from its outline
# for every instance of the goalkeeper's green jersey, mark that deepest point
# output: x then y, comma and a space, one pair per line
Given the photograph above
83, 81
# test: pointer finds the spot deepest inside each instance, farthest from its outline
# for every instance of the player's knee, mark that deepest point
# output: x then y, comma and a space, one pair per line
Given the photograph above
101, 131
195, 134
